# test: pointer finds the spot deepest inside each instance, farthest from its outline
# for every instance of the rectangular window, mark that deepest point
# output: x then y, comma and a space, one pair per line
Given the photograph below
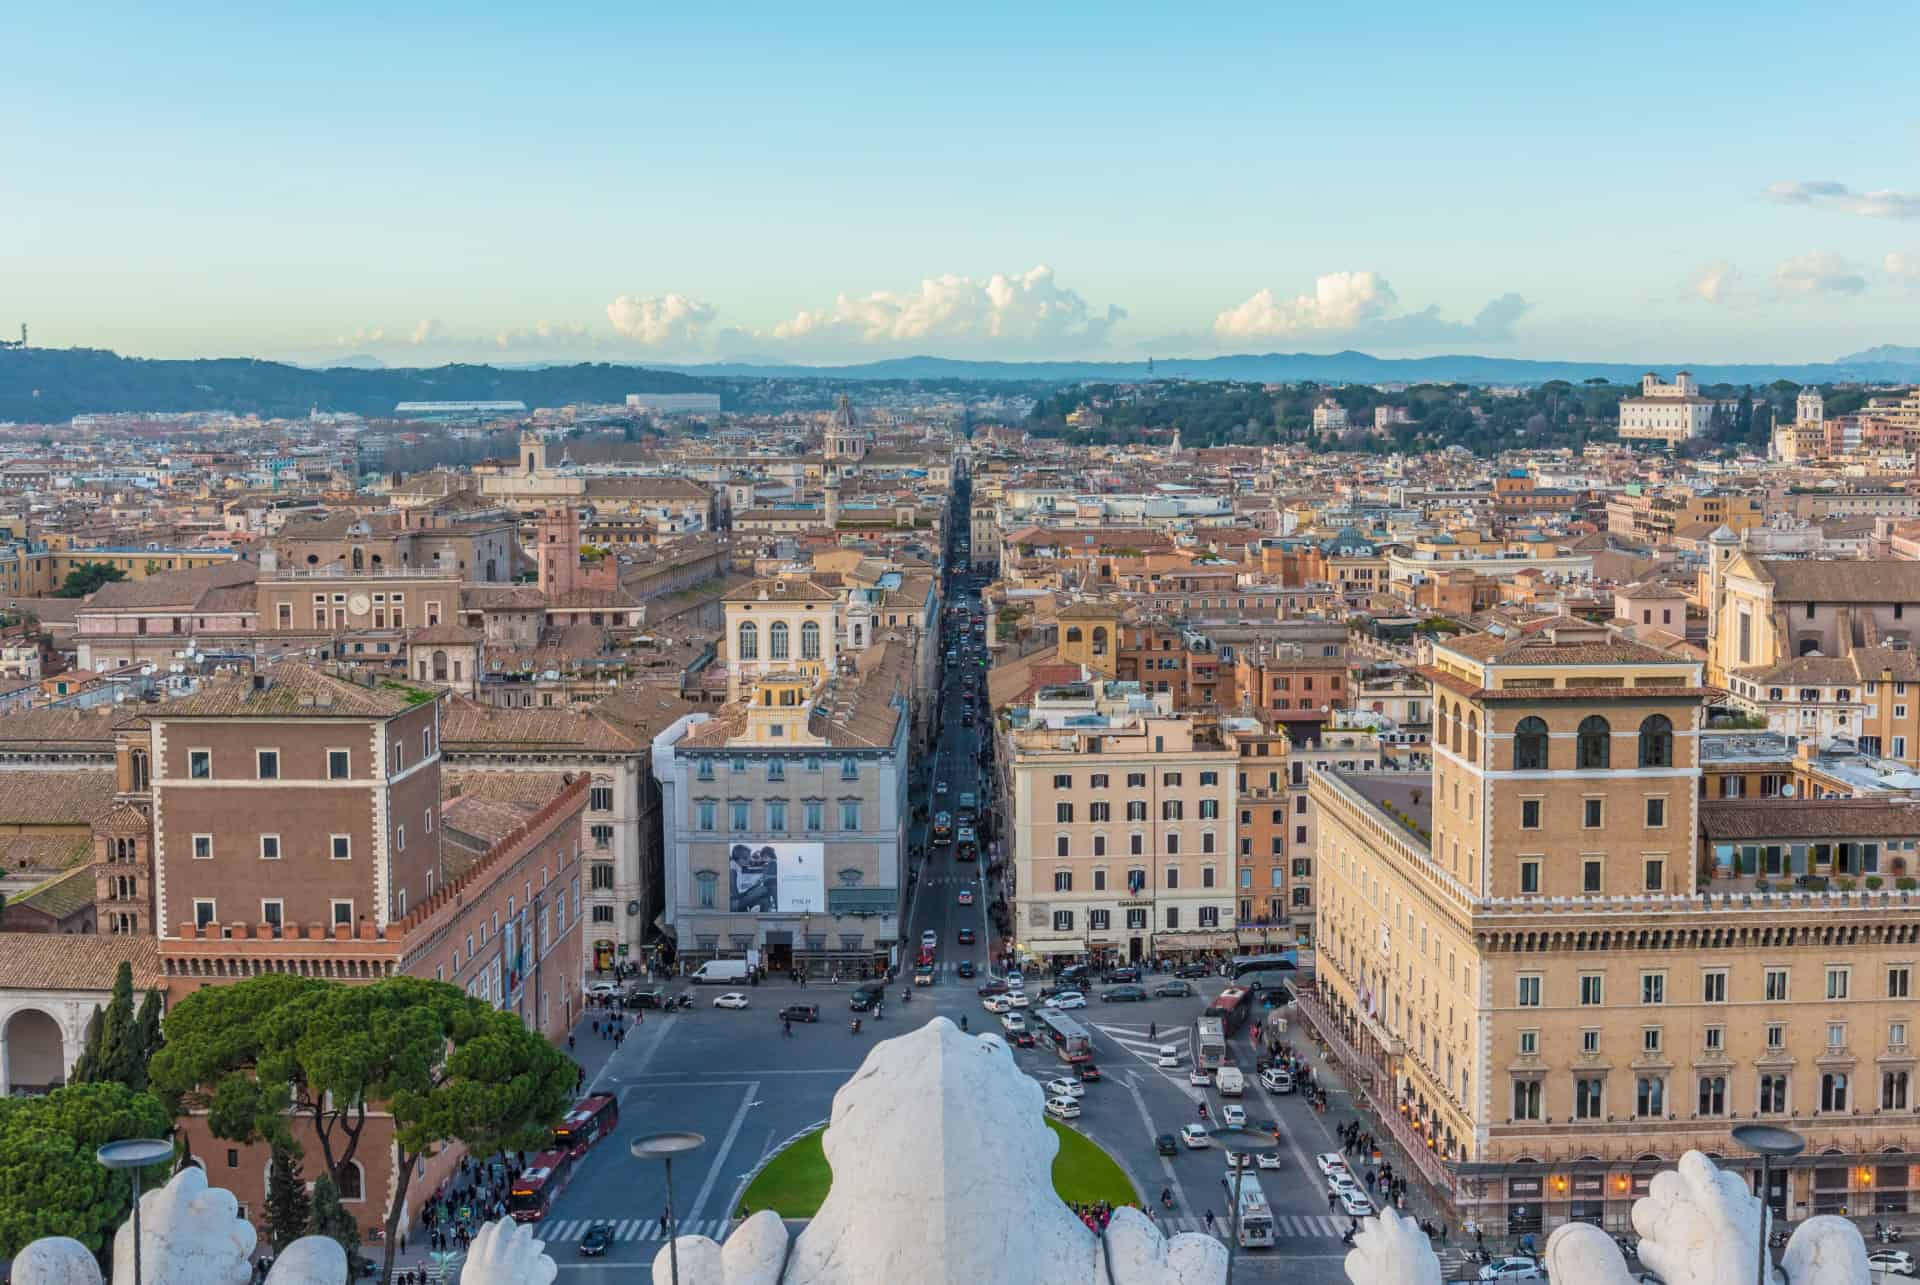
737, 810
1590, 875
1530, 814
203, 847
1063, 812
1589, 1098
342, 847
200, 764
1136, 780
1775, 984
1170, 779
1529, 1043
1837, 983
603, 834
849, 769
1776, 1035
1650, 1039
1653, 988
343, 914
203, 912
1716, 1038
1593, 813
1529, 996
1062, 781
269, 847
1899, 982
1173, 916
1656, 813
706, 814
1063, 921
339, 765
816, 815
1655, 880
272, 912
1099, 920
1713, 987
849, 815
1592, 989
602, 798
1589, 1041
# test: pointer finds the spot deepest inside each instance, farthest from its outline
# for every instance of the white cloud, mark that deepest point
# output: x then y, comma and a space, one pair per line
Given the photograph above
1902, 265
1715, 283
1884, 203
428, 332
1028, 307
661, 319
1359, 306
545, 335
1819, 273
363, 337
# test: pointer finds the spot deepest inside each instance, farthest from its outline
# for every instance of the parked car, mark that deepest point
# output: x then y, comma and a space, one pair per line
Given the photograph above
1354, 1204
800, 1013
1897, 1261
1174, 990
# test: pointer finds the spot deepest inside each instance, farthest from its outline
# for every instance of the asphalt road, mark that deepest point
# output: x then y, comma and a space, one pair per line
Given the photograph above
734, 1078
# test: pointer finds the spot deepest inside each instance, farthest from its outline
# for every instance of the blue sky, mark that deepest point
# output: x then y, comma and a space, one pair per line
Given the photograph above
833, 183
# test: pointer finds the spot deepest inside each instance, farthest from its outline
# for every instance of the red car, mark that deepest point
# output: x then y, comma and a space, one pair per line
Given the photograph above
1023, 1038
926, 958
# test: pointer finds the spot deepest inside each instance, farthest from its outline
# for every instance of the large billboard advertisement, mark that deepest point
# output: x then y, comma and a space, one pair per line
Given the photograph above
782, 877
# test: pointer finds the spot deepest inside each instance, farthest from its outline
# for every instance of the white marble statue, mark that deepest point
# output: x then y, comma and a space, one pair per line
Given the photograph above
943, 1172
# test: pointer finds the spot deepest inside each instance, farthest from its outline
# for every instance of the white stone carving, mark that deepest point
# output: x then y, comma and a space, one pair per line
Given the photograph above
506, 1253
943, 1168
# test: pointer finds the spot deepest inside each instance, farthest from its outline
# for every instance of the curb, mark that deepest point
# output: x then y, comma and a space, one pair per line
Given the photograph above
746, 1181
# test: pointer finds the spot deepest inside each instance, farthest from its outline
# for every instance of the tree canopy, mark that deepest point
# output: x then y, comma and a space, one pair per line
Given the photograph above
50, 1184
87, 577
443, 1065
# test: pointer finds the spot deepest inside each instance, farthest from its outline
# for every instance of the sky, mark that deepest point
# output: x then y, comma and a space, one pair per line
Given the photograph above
835, 183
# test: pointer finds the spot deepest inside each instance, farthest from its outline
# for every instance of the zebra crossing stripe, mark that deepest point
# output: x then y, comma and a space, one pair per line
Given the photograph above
626, 1229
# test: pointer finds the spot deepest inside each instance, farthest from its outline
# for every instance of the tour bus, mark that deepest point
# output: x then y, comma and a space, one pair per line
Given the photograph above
1066, 1037
1209, 1043
539, 1185
1256, 1219
1233, 1006
592, 1118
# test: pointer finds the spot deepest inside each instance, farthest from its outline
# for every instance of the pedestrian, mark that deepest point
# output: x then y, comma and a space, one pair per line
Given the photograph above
1209, 1222
403, 1242
569, 1042
596, 1028
1153, 1029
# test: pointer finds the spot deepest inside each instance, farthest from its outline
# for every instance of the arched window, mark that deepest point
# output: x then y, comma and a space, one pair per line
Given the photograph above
1440, 727
1656, 742
810, 640
1473, 735
1595, 743
777, 640
749, 641
1530, 745
1099, 640
353, 1184
1833, 1091
1073, 633
359, 558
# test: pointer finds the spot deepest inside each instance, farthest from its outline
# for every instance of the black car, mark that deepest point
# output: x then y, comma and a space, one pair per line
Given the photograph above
654, 998
800, 1013
1125, 973
1190, 970
1124, 994
964, 968
1174, 990
1089, 1073
864, 997
1167, 1145
595, 1242
966, 936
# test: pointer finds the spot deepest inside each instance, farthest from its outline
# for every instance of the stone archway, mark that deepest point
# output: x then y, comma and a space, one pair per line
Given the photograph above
33, 1052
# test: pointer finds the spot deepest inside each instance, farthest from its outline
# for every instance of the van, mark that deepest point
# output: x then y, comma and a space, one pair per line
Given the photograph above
1229, 1081
865, 996
720, 972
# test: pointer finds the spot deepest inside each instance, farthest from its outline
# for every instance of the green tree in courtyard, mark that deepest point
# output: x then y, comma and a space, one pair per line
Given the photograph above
50, 1184
330, 1218
289, 1210
87, 577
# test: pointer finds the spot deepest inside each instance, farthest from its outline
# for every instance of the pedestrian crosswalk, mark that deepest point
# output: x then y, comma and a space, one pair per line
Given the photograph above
562, 1231
1145, 1042
1285, 1226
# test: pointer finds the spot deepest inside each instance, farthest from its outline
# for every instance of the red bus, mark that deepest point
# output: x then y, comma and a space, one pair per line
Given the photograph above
1233, 1007
592, 1118
539, 1185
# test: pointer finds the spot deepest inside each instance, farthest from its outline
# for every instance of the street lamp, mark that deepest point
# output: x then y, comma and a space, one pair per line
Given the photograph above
664, 1147
1767, 1141
1247, 1142
133, 1155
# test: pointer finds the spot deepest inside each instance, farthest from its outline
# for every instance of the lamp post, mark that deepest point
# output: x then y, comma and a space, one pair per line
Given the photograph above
1248, 1142
133, 1155
664, 1147
1767, 1141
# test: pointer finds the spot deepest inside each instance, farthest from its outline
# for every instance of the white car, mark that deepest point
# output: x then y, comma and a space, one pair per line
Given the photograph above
732, 999
1019, 999
1195, 1135
1062, 1108
1013, 1023
603, 988
1168, 1059
1015, 980
1234, 1117
1200, 1076
1356, 1205
939, 787
1065, 1088
1268, 1159
1897, 1261
1276, 1081
1067, 999
996, 1004
1330, 1163
1342, 1183
1511, 1269
1239, 1160
929, 939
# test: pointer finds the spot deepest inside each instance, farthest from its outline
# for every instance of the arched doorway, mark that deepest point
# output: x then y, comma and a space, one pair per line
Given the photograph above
35, 1053
439, 666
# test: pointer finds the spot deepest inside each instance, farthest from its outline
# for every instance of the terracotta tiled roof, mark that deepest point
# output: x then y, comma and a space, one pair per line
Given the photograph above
782, 589
1824, 819
125, 822
445, 634
76, 961
60, 796
169, 589
60, 896
298, 690
466, 726
1536, 648
44, 851
1842, 581
57, 728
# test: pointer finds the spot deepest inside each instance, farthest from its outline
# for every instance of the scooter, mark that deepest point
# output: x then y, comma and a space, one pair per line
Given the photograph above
853, 1027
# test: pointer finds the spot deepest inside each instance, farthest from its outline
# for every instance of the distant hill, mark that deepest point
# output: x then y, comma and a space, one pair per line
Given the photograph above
51, 385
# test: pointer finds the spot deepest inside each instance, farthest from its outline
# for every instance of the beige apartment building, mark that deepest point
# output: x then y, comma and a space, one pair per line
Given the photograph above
1552, 985
1122, 825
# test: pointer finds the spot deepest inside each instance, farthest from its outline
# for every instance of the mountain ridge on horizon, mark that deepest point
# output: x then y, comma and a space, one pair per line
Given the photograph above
51, 385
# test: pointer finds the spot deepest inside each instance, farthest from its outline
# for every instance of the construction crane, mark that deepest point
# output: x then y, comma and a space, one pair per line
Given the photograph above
8, 343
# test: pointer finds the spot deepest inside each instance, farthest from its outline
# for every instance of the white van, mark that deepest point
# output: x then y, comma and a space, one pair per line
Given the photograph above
1229, 1081
720, 972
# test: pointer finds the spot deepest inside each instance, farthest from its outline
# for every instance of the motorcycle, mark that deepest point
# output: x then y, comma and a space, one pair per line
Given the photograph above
853, 1027
1778, 1239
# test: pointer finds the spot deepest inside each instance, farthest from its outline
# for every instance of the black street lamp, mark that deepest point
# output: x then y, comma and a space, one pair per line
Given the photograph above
133, 1155
664, 1147
1248, 1143
1767, 1141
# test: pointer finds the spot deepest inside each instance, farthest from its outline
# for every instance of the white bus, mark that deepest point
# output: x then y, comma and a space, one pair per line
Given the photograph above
1256, 1219
1209, 1043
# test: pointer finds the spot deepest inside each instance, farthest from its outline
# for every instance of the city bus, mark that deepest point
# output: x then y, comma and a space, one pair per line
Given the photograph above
539, 1185
1209, 1043
1233, 1006
1287, 961
1066, 1037
592, 1118
1256, 1219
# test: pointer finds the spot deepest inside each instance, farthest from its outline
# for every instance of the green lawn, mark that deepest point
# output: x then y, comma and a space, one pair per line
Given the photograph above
796, 1180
